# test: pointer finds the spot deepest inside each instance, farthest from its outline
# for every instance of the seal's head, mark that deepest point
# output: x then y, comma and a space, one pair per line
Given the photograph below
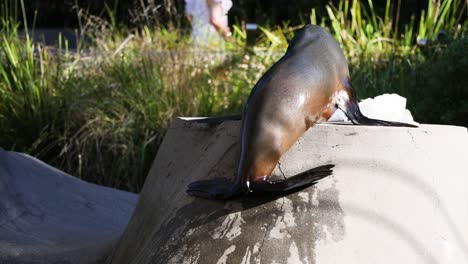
307, 34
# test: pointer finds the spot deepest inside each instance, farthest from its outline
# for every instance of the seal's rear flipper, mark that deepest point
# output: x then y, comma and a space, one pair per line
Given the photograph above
299, 181
352, 111
219, 189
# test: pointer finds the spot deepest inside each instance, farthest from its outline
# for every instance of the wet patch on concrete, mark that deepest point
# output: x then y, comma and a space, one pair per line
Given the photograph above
254, 229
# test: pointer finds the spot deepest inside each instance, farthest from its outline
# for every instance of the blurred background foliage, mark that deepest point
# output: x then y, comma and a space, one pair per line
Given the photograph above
55, 13
99, 110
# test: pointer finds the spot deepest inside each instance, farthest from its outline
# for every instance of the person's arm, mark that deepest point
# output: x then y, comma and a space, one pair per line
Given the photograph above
216, 15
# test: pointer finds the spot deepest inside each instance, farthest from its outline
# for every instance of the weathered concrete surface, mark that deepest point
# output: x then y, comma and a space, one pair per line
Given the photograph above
398, 195
47, 216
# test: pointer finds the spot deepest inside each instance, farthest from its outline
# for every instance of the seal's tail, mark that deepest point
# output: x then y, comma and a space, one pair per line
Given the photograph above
354, 114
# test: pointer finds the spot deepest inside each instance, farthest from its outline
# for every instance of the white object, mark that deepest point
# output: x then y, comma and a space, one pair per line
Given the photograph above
251, 26
389, 107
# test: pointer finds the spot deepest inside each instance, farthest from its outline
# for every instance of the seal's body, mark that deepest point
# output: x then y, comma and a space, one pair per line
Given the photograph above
304, 87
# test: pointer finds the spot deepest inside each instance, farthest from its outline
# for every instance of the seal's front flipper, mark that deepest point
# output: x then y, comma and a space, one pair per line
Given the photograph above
219, 188
301, 180
352, 111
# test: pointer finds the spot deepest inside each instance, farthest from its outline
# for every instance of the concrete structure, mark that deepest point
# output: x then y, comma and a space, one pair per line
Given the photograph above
47, 216
398, 195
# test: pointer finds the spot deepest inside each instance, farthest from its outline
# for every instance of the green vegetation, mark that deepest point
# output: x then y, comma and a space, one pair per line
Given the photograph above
100, 113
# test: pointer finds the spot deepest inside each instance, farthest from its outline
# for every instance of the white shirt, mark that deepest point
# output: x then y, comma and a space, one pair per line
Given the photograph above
204, 34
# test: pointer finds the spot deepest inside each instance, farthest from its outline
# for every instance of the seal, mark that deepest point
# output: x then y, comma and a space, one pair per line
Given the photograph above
306, 86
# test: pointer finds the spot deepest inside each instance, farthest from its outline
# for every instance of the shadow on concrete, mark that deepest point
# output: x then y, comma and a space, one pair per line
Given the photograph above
204, 226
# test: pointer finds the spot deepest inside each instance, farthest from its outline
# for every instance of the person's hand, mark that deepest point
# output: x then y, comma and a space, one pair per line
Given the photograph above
226, 32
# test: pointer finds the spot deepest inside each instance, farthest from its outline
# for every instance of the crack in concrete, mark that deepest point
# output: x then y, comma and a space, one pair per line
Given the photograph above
412, 138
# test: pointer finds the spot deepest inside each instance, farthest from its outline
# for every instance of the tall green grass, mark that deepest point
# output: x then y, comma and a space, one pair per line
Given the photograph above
100, 113
364, 35
102, 116
30, 93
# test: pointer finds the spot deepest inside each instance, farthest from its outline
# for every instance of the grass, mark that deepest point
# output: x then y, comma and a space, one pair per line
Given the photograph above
102, 117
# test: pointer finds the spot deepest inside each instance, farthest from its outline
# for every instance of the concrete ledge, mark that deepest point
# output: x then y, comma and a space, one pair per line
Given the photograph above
398, 195
47, 216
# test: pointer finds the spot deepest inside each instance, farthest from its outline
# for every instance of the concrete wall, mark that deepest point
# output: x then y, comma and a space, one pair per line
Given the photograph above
48, 216
397, 195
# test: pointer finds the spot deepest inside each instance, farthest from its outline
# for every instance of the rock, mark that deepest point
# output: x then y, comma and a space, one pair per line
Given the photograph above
47, 216
397, 195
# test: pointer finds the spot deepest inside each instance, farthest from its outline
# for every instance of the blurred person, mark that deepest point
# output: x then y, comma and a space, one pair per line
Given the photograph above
209, 22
